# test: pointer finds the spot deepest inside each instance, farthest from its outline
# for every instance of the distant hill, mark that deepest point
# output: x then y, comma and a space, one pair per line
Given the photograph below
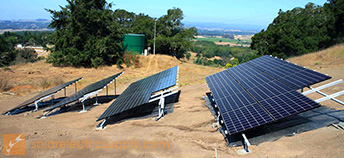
38, 24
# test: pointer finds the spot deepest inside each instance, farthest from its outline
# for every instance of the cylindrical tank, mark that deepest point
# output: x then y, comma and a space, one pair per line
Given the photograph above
134, 42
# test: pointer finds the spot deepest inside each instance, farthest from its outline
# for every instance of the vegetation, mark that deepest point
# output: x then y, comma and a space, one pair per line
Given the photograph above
171, 37
10, 56
232, 55
86, 34
302, 30
234, 41
39, 38
89, 34
5, 84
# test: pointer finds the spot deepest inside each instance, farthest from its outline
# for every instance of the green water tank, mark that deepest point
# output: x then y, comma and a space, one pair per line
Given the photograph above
134, 42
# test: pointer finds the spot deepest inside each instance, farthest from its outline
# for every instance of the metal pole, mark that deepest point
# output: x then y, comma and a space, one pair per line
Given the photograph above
65, 92
215, 152
154, 36
107, 90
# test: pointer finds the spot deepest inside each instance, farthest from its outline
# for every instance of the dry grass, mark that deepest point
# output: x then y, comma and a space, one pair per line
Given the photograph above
327, 58
5, 84
41, 75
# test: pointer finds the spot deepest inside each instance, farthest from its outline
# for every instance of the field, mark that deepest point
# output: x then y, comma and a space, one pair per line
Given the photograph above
245, 40
188, 129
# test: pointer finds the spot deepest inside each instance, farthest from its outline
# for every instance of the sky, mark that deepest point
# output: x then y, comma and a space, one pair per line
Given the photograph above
251, 12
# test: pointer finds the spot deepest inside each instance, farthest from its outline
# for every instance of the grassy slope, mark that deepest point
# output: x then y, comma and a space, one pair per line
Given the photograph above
35, 75
331, 57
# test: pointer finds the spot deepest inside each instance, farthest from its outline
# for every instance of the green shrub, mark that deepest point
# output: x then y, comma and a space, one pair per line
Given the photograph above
188, 55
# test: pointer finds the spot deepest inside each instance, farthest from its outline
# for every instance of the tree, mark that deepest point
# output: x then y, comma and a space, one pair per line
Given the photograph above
31, 41
6, 52
295, 32
172, 38
336, 7
87, 34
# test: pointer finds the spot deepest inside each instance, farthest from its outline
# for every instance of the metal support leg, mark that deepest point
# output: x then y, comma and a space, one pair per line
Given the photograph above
161, 108
107, 90
96, 100
36, 105
217, 122
215, 152
246, 143
102, 125
83, 108
44, 115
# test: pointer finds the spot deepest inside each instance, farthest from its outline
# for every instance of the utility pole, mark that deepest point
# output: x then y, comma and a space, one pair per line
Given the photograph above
154, 35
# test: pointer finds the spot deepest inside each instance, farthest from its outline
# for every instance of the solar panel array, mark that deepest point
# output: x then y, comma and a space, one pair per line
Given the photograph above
250, 94
90, 88
139, 92
295, 76
46, 93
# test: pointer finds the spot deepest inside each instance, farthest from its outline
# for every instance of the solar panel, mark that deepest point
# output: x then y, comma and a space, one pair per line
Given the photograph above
140, 92
293, 75
90, 88
287, 104
45, 93
247, 96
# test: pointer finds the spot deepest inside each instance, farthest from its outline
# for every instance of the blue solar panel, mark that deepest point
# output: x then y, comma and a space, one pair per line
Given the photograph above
168, 79
244, 118
287, 104
292, 75
248, 96
139, 92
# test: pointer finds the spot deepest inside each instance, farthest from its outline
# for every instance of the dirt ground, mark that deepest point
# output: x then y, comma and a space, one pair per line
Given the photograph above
187, 130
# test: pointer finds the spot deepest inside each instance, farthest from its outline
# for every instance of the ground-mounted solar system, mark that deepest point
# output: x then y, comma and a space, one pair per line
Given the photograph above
151, 90
259, 92
85, 93
35, 102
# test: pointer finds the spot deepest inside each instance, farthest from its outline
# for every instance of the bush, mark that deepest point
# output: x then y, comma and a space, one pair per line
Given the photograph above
137, 62
44, 83
130, 58
5, 85
25, 55
97, 62
228, 65
188, 55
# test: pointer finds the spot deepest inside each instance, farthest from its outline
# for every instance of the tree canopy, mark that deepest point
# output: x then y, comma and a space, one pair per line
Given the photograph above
301, 30
89, 33
171, 37
86, 34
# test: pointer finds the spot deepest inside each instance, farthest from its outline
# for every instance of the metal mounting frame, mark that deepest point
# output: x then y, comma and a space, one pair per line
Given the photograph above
85, 97
161, 99
326, 96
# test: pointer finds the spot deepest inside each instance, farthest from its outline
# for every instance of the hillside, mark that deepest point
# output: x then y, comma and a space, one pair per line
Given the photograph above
188, 129
329, 58
36, 75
